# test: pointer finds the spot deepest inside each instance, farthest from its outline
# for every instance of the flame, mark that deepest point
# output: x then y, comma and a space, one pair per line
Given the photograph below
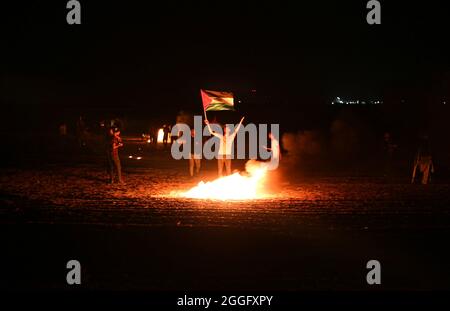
233, 187
160, 136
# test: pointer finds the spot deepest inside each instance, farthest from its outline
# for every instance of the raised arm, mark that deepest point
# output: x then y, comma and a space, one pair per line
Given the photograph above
210, 130
238, 127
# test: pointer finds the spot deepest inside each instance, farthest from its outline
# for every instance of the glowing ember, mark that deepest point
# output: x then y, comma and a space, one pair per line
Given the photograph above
233, 187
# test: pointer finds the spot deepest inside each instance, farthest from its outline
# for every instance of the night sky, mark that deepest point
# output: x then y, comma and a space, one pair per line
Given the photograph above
154, 58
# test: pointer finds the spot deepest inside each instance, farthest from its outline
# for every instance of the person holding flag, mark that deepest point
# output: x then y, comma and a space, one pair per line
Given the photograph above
218, 101
224, 154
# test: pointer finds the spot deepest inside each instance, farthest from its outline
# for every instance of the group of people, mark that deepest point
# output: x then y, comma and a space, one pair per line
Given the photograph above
224, 154
114, 142
423, 165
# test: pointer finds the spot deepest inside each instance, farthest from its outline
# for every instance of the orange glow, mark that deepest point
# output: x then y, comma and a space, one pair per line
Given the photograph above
160, 136
233, 187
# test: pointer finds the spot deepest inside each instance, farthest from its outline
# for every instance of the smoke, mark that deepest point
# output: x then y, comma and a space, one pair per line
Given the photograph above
303, 151
346, 141
302, 144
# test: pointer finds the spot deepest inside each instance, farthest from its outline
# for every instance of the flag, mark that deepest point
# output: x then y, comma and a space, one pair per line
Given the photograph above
214, 100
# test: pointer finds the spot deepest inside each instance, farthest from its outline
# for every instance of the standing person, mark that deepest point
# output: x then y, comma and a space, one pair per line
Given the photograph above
166, 131
114, 143
226, 142
276, 153
108, 132
195, 158
424, 161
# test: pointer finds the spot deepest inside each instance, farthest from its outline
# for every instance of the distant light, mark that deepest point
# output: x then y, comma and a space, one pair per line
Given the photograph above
340, 101
130, 157
139, 158
148, 140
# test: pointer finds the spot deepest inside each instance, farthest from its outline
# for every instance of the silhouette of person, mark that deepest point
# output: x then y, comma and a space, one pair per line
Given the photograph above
194, 157
114, 166
225, 146
166, 131
424, 161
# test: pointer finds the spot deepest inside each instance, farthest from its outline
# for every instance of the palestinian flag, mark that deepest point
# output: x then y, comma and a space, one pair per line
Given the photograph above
214, 100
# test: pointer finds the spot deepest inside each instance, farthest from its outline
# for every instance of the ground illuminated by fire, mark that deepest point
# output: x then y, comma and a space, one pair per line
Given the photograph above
238, 186
315, 222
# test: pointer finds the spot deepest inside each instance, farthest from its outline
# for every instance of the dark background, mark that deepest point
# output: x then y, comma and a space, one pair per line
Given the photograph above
152, 58
285, 61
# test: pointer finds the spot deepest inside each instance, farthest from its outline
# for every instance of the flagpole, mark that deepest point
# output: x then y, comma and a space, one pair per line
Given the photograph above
204, 110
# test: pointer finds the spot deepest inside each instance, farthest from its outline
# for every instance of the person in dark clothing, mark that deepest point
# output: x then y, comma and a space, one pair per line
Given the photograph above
166, 131
114, 142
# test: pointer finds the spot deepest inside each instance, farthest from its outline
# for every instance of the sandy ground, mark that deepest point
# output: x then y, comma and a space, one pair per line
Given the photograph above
318, 233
